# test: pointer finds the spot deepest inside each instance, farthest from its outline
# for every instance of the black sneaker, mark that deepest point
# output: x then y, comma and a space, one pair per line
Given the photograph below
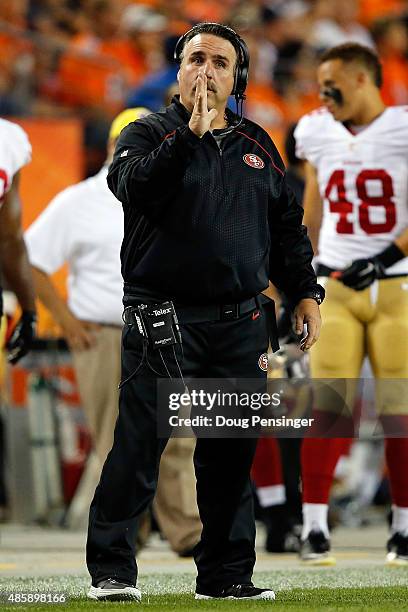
239, 591
113, 590
397, 547
315, 550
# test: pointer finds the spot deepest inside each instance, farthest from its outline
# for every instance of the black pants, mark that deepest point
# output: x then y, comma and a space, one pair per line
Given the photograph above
226, 552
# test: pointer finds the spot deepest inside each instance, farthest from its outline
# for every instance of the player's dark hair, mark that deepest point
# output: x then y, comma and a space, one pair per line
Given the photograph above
353, 52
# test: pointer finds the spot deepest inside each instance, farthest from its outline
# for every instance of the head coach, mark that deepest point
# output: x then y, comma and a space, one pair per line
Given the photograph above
208, 220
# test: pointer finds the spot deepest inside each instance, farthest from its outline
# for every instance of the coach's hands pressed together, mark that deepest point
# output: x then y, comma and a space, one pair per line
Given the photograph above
201, 117
307, 313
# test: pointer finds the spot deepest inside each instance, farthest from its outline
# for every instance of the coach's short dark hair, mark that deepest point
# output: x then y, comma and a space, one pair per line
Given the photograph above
353, 52
216, 29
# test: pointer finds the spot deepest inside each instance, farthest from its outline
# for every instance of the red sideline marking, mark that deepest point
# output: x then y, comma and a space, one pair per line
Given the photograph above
268, 154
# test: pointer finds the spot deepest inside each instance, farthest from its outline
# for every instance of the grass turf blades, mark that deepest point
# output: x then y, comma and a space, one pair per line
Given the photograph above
351, 589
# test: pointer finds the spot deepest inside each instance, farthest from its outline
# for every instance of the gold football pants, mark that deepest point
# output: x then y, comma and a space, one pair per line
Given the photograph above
373, 323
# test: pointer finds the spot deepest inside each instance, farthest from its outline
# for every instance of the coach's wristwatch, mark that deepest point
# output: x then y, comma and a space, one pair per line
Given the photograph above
317, 294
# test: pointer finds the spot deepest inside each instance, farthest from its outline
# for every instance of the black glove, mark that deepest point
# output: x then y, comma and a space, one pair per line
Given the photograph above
361, 273
22, 337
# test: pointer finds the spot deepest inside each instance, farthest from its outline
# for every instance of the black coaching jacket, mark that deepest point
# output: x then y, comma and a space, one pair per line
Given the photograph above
204, 224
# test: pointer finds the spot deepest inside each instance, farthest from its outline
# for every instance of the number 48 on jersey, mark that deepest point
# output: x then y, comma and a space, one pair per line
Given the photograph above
339, 203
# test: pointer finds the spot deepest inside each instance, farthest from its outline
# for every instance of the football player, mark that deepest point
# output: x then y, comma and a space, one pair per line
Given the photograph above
15, 152
356, 212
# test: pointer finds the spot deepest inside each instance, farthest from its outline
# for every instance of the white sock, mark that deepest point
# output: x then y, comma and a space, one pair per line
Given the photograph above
399, 520
315, 519
273, 495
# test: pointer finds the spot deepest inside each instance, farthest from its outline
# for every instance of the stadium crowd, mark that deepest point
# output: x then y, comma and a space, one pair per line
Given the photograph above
92, 58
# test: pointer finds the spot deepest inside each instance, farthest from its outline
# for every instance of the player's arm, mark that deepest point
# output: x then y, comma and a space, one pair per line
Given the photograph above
13, 252
312, 205
16, 271
77, 333
402, 242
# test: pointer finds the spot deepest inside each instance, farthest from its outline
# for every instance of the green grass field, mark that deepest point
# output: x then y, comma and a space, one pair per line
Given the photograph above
368, 588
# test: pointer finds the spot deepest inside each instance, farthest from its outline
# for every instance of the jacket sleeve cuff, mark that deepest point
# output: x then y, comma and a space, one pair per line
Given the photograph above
315, 292
189, 137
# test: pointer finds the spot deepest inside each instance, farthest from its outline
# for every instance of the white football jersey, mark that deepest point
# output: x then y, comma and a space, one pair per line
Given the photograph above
363, 183
15, 152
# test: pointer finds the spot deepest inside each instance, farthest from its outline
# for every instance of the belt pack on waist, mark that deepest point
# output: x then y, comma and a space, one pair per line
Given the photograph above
219, 312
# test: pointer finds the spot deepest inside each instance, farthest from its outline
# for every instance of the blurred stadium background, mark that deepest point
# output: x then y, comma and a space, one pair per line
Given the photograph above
67, 67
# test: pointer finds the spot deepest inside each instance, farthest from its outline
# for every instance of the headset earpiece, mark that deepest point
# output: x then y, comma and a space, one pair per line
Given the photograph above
241, 72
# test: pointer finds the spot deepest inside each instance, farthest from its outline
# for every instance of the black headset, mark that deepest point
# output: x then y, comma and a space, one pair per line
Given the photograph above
240, 46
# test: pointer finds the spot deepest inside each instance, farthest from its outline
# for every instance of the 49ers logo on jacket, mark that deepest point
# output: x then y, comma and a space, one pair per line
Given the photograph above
254, 161
263, 362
